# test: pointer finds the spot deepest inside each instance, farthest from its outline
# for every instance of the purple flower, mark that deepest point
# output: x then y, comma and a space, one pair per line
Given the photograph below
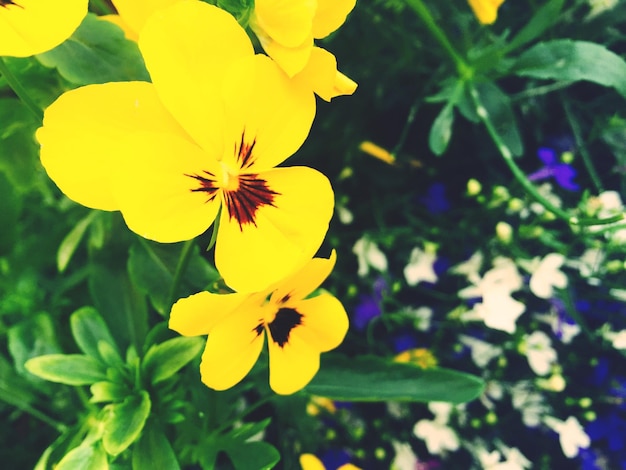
404, 342
435, 199
335, 458
369, 306
610, 427
562, 173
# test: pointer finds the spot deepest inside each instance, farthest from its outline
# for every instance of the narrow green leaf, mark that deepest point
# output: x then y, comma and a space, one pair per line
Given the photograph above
125, 421
567, 60
32, 337
110, 355
154, 451
72, 240
14, 389
441, 130
69, 369
369, 379
253, 456
248, 430
500, 112
546, 16
88, 329
97, 52
107, 392
84, 457
165, 359
10, 208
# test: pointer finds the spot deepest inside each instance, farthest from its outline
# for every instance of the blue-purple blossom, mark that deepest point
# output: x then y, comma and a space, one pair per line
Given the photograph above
562, 173
369, 306
435, 199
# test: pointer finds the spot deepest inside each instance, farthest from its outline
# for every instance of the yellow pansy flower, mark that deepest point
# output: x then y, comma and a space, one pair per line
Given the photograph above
298, 329
486, 10
205, 135
286, 30
311, 462
29, 27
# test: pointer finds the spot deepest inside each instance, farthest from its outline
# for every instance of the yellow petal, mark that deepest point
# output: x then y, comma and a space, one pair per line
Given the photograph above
283, 237
310, 462
293, 365
29, 27
232, 349
324, 322
136, 12
117, 20
287, 22
197, 314
89, 131
291, 59
274, 112
306, 280
161, 194
330, 15
486, 10
321, 76
187, 69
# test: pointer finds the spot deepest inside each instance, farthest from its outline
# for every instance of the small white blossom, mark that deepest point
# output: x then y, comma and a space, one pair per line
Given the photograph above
547, 276
539, 352
470, 268
420, 267
437, 435
529, 403
610, 205
617, 338
421, 317
482, 351
345, 215
565, 331
405, 458
589, 263
369, 255
571, 435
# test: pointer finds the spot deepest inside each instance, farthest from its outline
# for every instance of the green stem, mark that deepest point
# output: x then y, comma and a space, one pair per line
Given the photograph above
181, 267
423, 12
20, 91
593, 174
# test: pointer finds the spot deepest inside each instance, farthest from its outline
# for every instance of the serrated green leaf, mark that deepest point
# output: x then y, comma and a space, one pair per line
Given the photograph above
72, 240
253, 456
165, 359
567, 60
97, 52
69, 369
500, 112
89, 329
154, 451
371, 379
125, 421
84, 457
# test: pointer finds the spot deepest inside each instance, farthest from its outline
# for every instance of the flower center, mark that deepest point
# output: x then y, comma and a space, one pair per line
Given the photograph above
285, 320
244, 194
5, 3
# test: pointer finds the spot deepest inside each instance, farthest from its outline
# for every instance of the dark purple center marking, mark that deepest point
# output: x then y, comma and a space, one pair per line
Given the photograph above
286, 319
5, 3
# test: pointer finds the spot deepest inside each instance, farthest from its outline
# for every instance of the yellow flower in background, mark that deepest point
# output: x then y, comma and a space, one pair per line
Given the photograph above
29, 27
298, 329
205, 135
286, 30
132, 14
311, 462
421, 357
486, 10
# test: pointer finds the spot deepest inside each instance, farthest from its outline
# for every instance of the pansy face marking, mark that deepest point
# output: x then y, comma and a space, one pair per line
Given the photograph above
286, 319
244, 193
5, 3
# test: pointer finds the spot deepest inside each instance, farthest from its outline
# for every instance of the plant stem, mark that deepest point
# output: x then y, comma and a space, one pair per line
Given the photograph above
422, 11
20, 91
181, 267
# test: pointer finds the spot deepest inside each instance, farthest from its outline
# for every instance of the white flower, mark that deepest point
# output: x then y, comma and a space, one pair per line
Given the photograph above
405, 458
470, 268
610, 205
528, 402
600, 6
420, 267
571, 435
539, 352
617, 338
345, 215
547, 276
368, 254
503, 277
589, 263
421, 317
482, 351
436, 434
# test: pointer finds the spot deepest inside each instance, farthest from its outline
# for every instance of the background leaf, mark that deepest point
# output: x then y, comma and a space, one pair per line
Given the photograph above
69, 369
165, 359
125, 422
153, 450
88, 329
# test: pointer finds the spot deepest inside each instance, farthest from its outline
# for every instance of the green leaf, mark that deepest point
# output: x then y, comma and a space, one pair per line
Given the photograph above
84, 457
30, 338
69, 369
499, 111
567, 60
10, 208
107, 391
370, 378
89, 329
154, 451
97, 52
125, 421
253, 455
248, 430
545, 17
13, 388
165, 359
123, 306
152, 267
441, 130
71, 241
